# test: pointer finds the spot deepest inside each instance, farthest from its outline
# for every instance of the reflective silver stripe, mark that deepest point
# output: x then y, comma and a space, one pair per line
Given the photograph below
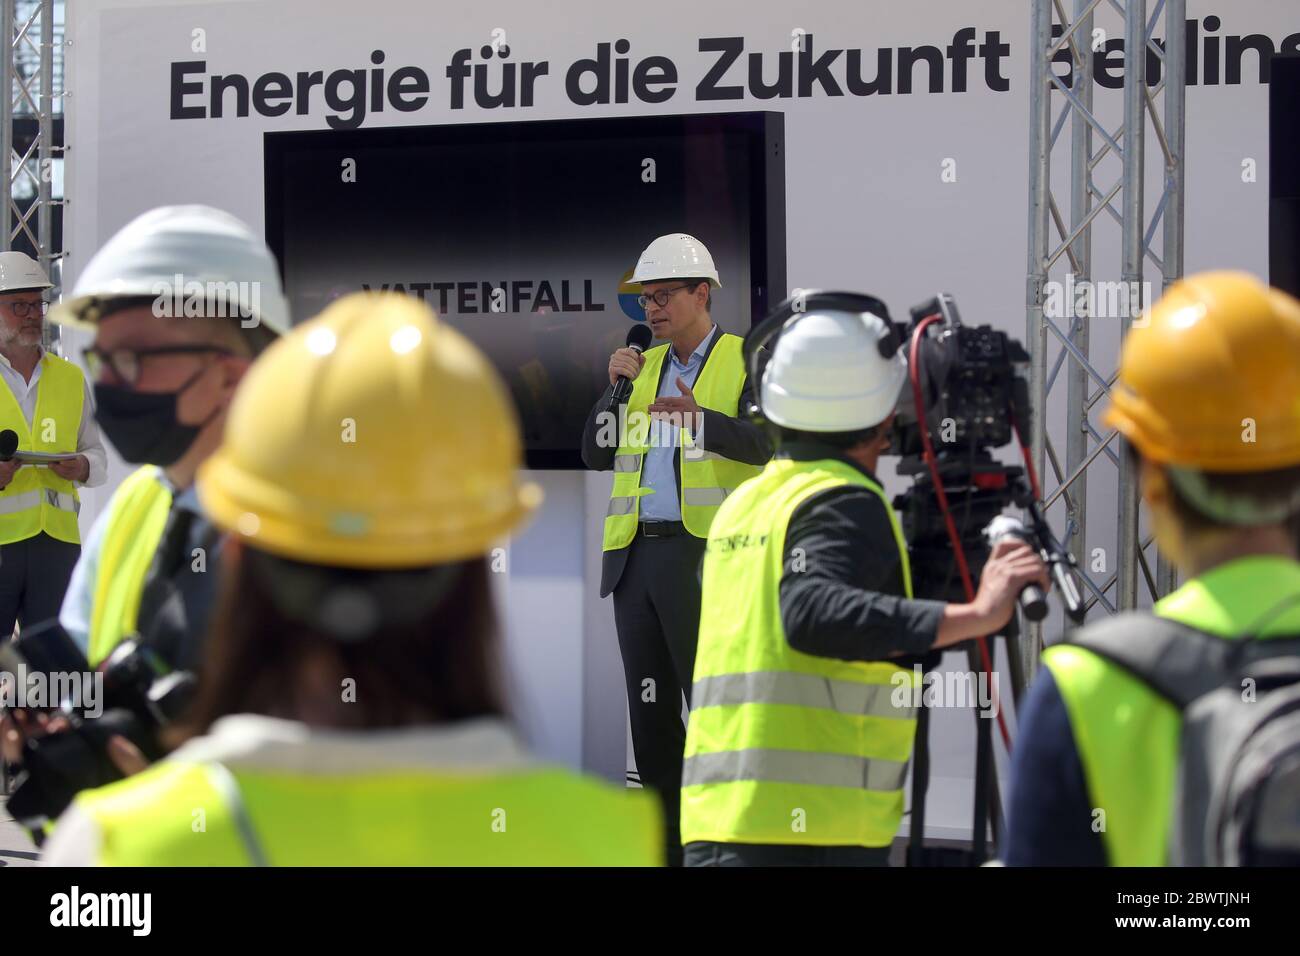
794, 766
224, 782
11, 504
621, 505
801, 690
627, 463
704, 496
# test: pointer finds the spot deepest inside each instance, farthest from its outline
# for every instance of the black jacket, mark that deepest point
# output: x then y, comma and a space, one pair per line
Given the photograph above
733, 438
842, 588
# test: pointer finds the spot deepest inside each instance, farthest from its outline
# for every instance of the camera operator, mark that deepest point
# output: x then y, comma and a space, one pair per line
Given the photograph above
796, 748
164, 364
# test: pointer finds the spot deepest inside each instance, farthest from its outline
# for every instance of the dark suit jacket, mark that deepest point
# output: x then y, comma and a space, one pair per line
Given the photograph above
729, 437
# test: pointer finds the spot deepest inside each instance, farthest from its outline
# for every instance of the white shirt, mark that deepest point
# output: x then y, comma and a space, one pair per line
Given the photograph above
88, 441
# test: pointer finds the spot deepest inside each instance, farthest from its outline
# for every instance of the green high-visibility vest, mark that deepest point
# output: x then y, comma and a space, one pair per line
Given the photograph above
782, 746
1127, 735
203, 814
37, 499
134, 525
706, 477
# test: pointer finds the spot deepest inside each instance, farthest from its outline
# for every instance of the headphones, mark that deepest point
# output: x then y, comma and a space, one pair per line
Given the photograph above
755, 347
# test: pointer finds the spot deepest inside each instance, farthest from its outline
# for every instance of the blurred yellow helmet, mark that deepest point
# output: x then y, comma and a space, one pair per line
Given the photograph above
373, 436
1209, 379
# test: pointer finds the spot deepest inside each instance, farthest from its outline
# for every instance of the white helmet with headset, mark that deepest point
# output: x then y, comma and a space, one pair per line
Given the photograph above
834, 366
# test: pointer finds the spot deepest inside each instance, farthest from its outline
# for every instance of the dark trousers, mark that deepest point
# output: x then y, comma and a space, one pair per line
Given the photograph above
771, 854
34, 575
657, 612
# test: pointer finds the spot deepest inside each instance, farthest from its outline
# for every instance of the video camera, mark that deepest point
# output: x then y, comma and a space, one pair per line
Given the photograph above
972, 384
136, 693
974, 396
969, 395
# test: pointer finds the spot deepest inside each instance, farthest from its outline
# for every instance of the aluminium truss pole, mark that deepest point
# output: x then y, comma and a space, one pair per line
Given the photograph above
1076, 416
1087, 382
1175, 136
1135, 74
45, 150
6, 120
45, 162
1040, 147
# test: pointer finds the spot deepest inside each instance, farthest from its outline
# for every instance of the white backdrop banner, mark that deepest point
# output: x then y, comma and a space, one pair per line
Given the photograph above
905, 127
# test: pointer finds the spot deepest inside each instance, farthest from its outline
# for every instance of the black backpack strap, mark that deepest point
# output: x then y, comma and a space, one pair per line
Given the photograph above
1178, 662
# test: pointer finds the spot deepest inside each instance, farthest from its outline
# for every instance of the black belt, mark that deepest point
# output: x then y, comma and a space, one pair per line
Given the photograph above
662, 529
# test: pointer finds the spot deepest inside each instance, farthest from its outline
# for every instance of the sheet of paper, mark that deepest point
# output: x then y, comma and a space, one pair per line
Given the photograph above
43, 457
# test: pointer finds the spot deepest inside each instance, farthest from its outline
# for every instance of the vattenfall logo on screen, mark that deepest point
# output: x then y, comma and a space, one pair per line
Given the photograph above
629, 295
511, 296
516, 295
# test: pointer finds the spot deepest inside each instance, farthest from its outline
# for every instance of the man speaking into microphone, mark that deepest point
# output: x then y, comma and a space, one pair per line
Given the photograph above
678, 450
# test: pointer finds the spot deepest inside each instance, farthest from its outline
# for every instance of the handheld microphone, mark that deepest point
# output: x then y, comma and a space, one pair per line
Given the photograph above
639, 338
1032, 599
8, 444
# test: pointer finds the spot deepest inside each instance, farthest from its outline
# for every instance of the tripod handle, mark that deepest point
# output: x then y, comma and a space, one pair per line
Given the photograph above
1033, 602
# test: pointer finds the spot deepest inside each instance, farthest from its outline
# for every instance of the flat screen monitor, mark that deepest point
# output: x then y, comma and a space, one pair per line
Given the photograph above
1284, 174
523, 235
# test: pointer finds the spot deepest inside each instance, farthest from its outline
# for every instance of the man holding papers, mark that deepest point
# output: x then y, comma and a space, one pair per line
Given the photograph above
49, 445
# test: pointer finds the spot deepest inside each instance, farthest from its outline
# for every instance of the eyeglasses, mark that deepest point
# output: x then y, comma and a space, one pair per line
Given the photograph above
22, 310
126, 363
661, 297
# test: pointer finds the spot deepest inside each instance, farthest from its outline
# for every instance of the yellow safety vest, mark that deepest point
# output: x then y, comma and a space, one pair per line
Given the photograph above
786, 747
542, 816
133, 528
1127, 735
37, 499
706, 477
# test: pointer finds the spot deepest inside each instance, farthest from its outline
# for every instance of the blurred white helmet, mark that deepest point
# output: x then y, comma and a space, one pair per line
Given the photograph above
165, 251
676, 256
827, 373
20, 273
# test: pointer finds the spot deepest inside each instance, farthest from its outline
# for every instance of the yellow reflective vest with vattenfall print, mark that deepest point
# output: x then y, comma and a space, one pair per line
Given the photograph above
784, 747
37, 500
706, 477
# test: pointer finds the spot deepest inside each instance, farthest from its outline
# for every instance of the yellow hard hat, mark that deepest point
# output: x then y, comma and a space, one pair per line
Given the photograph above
373, 436
1210, 378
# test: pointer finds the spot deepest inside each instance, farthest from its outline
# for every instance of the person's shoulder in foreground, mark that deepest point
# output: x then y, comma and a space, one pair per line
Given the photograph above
261, 790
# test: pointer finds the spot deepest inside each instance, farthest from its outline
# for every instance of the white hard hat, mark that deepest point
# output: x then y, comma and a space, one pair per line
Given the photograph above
827, 373
181, 245
20, 273
676, 256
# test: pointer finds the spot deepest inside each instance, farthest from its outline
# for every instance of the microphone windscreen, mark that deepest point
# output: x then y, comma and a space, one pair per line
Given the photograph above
640, 336
8, 443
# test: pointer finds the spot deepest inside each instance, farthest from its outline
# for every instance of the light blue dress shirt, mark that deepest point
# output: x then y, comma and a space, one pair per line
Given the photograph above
658, 473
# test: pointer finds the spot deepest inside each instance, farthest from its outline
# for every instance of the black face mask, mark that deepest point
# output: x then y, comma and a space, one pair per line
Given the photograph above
142, 425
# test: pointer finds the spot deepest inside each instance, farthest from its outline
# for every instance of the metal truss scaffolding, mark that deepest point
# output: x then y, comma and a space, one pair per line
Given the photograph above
27, 128
1065, 245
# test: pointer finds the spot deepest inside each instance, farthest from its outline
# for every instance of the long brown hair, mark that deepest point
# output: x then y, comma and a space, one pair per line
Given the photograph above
435, 664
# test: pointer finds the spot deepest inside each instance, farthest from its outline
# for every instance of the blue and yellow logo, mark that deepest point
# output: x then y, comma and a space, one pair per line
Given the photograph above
628, 294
